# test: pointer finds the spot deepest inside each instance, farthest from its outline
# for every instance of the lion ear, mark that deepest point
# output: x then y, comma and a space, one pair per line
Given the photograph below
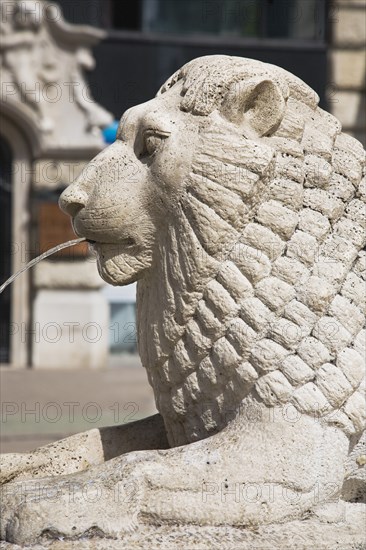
257, 105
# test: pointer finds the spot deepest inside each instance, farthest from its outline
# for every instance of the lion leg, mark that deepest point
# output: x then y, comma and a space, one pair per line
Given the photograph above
103, 500
80, 451
216, 481
250, 473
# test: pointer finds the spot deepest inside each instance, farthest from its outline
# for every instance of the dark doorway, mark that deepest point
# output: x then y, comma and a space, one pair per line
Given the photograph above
6, 199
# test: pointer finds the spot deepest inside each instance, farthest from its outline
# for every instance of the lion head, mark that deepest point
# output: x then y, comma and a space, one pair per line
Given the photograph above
237, 205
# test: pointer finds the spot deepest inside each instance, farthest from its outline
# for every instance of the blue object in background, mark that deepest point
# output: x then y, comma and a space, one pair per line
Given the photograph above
110, 132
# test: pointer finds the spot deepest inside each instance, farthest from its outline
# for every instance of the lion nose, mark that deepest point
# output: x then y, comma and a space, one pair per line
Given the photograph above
72, 200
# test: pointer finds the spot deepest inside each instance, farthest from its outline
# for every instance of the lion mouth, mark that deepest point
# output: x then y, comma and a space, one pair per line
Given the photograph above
127, 242
92, 241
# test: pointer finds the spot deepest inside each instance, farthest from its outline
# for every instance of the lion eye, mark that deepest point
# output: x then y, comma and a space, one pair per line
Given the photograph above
152, 143
153, 140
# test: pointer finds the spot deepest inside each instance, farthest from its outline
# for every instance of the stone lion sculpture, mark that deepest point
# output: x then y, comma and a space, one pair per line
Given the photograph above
239, 207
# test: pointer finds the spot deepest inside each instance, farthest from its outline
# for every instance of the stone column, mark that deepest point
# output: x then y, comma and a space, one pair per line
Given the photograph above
347, 59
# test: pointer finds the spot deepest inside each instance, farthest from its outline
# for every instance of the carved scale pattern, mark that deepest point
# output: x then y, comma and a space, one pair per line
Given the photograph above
272, 303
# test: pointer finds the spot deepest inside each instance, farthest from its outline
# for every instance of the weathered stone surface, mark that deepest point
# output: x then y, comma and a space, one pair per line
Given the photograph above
347, 529
314, 222
247, 250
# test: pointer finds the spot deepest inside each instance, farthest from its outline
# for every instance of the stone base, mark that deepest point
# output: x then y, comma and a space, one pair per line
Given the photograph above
347, 534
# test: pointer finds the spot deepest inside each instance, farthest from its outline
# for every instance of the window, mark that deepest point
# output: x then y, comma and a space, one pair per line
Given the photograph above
296, 19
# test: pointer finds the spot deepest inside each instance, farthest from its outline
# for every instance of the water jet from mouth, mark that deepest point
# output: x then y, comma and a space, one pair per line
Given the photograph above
40, 258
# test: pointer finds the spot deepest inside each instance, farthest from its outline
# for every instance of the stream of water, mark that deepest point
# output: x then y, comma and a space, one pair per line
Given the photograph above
39, 259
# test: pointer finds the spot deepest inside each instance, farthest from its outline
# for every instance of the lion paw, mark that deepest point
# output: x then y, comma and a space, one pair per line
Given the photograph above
98, 502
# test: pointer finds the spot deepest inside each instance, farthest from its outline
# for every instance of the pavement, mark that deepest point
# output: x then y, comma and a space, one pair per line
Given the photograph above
42, 406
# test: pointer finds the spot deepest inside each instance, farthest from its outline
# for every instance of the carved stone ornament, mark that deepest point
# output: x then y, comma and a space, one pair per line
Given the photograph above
239, 207
42, 83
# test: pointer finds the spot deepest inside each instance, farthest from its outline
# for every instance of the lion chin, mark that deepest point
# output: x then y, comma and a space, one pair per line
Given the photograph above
119, 269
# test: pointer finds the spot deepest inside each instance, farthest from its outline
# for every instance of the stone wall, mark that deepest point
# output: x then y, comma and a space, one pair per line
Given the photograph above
347, 70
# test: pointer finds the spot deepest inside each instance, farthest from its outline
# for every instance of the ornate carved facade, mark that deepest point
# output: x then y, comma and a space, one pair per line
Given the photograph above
52, 127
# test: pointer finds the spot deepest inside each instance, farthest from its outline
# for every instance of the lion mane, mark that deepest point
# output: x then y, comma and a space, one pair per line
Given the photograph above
258, 289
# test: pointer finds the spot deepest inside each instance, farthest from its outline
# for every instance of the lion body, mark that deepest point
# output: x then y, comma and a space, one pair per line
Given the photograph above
261, 288
239, 207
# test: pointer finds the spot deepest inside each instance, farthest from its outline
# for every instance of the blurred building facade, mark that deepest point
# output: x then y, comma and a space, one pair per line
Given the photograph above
49, 129
347, 66
136, 45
